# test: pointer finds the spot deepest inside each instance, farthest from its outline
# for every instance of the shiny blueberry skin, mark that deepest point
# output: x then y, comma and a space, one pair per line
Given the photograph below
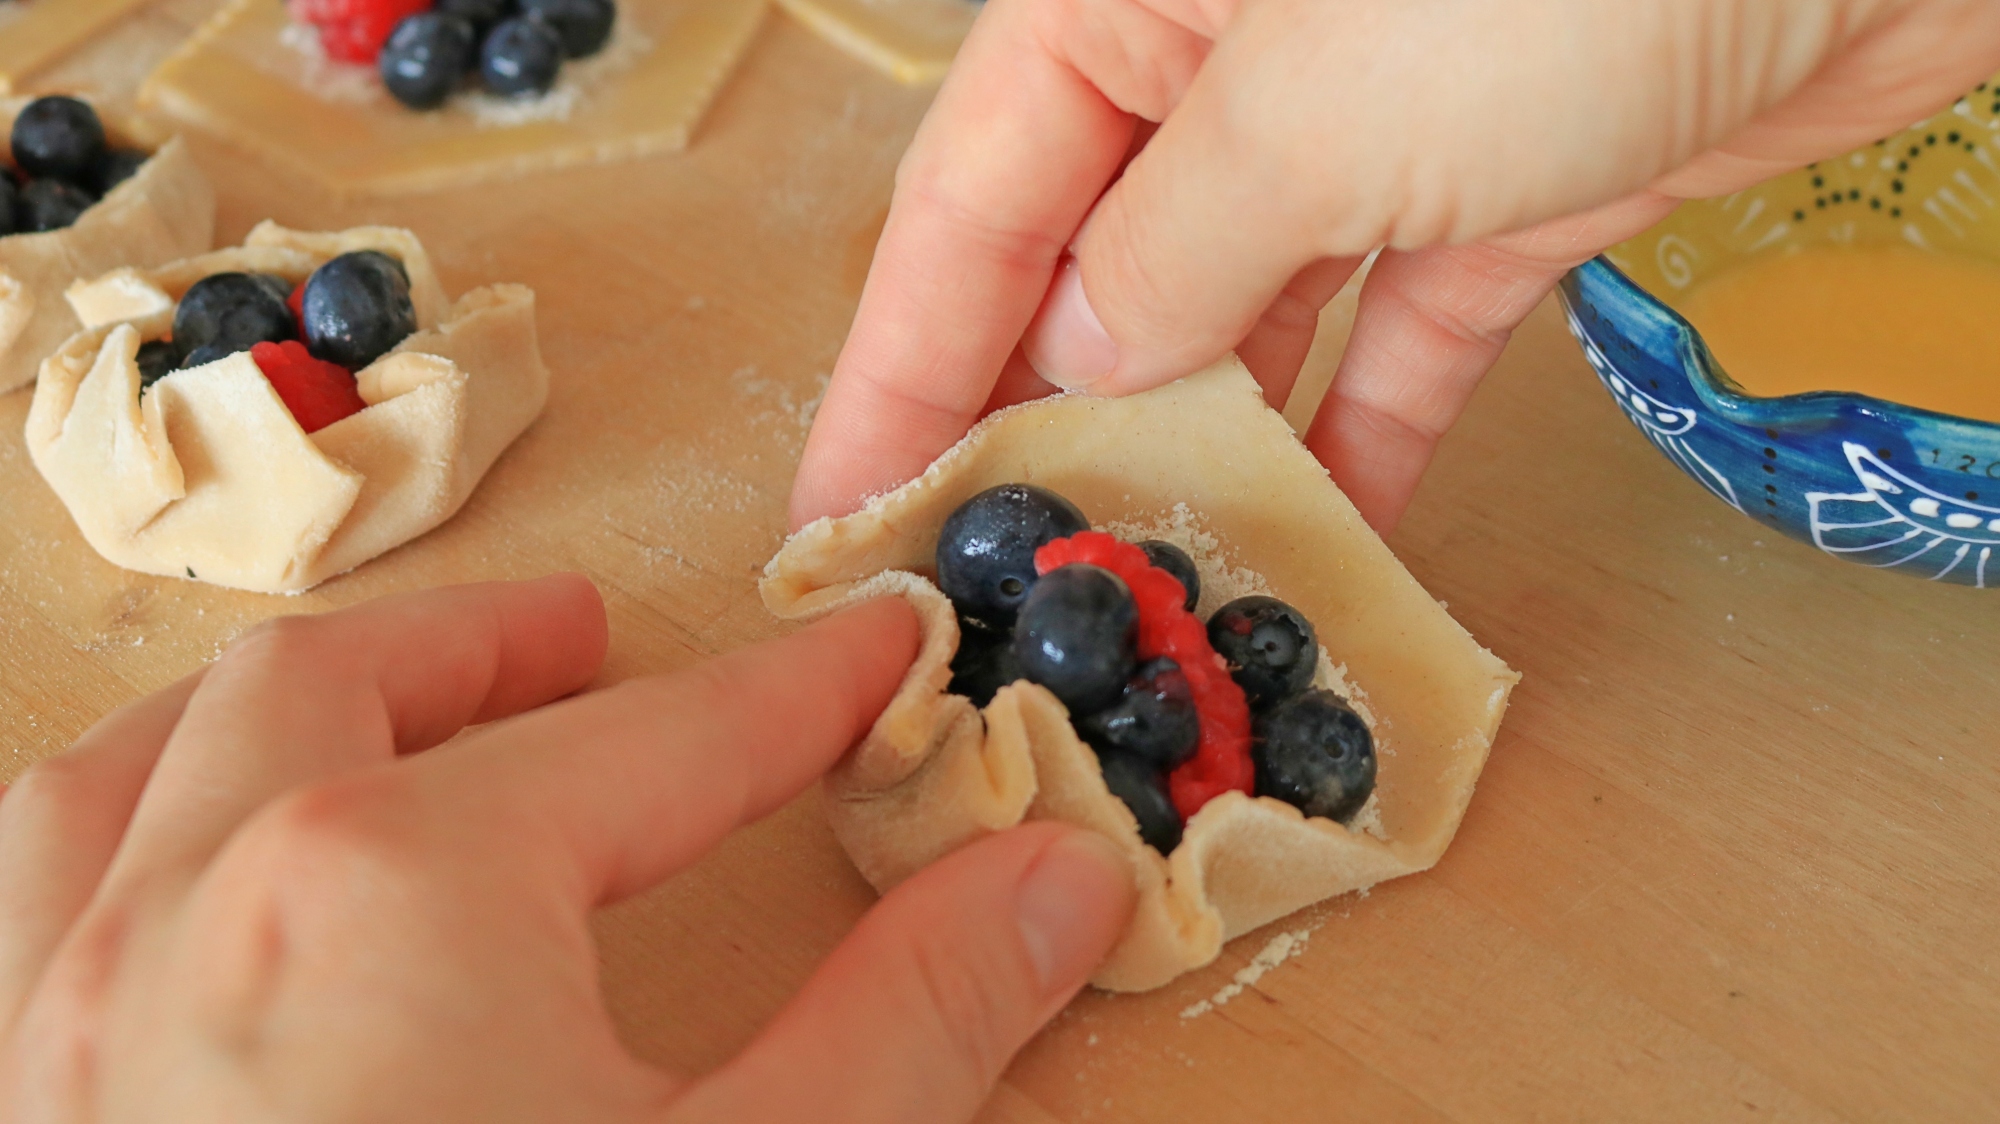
118, 165
10, 201
583, 25
1154, 719
986, 549
1175, 561
520, 56
425, 57
1313, 752
357, 307
984, 662
1270, 647
481, 14
58, 137
1075, 636
1144, 790
51, 205
156, 359
230, 311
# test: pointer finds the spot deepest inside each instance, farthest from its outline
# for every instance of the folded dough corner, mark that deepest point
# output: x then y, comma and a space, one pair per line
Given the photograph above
207, 475
936, 773
165, 211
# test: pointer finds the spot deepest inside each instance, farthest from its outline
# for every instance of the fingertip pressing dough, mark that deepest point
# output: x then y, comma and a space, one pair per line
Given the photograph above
165, 211
208, 476
1203, 463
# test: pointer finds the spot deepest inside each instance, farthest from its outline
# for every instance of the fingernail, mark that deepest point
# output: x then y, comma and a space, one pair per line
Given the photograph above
1066, 344
1070, 907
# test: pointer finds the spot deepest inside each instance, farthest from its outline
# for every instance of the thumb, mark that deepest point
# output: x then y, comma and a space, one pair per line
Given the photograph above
915, 1015
1179, 259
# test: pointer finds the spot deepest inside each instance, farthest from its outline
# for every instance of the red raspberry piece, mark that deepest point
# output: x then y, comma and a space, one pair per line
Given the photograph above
1221, 761
354, 30
317, 393
297, 303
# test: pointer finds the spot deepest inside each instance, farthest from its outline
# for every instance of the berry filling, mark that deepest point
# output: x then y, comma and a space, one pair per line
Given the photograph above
318, 393
1166, 629
1178, 711
61, 164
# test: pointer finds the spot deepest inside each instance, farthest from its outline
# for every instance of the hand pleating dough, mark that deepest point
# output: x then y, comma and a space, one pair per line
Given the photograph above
1202, 462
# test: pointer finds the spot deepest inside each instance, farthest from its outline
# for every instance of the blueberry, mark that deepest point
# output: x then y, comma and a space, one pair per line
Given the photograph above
425, 57
520, 56
155, 359
229, 312
1313, 752
584, 25
58, 137
983, 664
10, 201
481, 14
1144, 790
50, 205
205, 354
986, 549
357, 307
1075, 635
1154, 719
1270, 647
276, 286
1175, 561
118, 165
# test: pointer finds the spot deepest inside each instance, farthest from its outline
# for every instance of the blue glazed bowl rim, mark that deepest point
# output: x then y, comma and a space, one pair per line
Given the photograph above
1712, 385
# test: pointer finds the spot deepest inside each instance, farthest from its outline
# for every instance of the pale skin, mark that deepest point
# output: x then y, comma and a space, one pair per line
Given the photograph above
1486, 146
262, 893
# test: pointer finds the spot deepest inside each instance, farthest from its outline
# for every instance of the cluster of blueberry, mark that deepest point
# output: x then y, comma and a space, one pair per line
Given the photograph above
61, 165
1040, 597
425, 49
308, 339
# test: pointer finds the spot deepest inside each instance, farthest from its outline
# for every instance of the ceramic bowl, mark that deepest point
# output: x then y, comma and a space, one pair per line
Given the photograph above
1880, 484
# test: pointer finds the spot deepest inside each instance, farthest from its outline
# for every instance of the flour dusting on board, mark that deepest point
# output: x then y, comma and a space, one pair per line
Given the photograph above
1276, 951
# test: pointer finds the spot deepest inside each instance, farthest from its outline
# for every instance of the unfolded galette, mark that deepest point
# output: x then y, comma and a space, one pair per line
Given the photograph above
267, 416
1204, 466
76, 200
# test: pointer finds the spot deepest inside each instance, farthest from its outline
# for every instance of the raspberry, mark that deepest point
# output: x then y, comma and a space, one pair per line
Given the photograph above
317, 393
297, 302
354, 30
1166, 628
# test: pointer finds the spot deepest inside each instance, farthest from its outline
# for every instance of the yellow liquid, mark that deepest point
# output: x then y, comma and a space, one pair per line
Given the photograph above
1893, 322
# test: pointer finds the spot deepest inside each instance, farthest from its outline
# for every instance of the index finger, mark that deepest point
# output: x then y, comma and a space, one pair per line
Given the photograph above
606, 795
1010, 158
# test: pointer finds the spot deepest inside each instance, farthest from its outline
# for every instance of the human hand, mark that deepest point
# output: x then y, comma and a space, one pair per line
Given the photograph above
1489, 146
260, 894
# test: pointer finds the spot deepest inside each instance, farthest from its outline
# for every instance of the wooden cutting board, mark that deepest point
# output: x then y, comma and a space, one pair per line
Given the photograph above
1734, 857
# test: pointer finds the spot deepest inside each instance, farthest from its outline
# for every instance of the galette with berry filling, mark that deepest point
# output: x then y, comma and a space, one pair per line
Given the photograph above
1157, 618
77, 200
267, 416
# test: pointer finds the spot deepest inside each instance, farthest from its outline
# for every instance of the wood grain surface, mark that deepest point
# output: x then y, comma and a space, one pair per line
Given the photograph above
1733, 859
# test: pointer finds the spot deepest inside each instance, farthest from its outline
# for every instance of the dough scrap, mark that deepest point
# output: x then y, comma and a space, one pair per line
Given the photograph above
165, 211
208, 476
912, 41
936, 773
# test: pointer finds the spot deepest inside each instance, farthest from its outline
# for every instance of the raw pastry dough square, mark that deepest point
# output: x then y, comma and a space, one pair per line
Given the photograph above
936, 773
238, 78
36, 33
208, 476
